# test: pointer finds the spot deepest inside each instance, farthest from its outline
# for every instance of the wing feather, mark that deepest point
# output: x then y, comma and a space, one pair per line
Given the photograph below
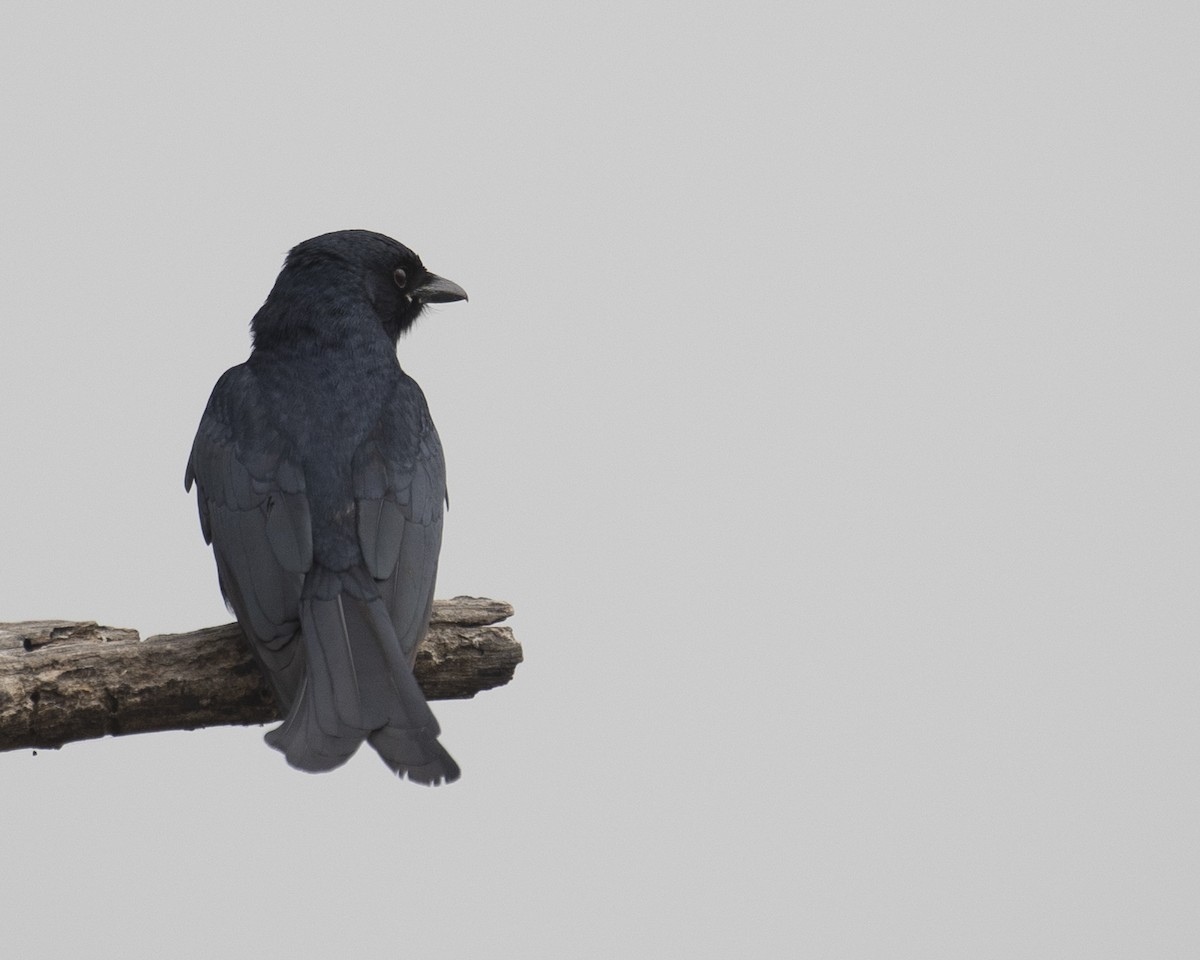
250, 493
400, 487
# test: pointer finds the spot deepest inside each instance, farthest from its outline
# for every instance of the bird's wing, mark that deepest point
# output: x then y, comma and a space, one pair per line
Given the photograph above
255, 513
400, 491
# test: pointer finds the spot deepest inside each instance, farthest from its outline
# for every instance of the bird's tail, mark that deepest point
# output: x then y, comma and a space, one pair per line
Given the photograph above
357, 686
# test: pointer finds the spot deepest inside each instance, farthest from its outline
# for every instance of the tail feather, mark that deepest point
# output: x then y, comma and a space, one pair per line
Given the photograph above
304, 744
358, 686
422, 760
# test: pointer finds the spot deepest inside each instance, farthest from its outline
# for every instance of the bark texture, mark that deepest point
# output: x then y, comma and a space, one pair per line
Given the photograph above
62, 681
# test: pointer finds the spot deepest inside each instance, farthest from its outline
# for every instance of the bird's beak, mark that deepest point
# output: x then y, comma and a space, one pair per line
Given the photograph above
435, 289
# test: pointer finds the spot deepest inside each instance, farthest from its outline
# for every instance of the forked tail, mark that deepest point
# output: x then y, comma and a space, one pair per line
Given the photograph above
358, 686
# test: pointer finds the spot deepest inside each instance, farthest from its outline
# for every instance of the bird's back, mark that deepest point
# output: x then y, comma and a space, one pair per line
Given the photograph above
353, 465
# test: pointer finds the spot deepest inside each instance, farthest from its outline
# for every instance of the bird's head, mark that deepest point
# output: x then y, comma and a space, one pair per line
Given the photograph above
329, 283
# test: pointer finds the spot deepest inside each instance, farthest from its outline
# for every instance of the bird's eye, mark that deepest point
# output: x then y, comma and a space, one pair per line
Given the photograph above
400, 277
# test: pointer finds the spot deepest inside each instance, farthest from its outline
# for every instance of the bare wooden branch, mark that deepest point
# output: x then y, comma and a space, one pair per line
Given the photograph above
63, 681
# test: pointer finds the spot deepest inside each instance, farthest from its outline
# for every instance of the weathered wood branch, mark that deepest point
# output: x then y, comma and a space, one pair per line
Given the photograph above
63, 681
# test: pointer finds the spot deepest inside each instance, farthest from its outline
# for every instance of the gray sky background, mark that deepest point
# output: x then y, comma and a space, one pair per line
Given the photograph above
825, 405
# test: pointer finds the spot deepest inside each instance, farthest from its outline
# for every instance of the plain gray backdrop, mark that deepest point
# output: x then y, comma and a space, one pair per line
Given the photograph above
825, 405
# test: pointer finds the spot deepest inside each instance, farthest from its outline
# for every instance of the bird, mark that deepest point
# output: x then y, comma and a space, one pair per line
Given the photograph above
321, 485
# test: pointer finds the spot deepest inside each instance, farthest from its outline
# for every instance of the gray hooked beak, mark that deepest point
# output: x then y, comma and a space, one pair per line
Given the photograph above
437, 289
